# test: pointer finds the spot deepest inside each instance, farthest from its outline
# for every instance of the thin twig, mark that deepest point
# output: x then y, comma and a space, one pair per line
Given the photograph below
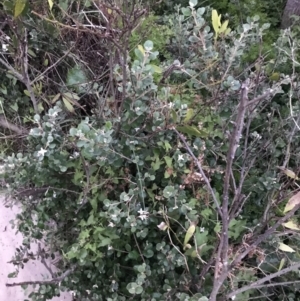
263, 237
26, 74
52, 281
141, 254
43, 261
52, 66
258, 283
181, 137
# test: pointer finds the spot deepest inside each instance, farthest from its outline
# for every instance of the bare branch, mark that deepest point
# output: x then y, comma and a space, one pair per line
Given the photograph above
43, 261
200, 170
10, 126
26, 75
52, 66
18, 75
264, 236
258, 283
52, 281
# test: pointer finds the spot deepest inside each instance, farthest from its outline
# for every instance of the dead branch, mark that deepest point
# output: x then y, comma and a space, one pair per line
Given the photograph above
181, 137
12, 127
52, 281
258, 283
263, 237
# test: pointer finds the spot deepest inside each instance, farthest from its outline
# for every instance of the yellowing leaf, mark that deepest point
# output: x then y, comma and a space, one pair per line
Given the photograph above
291, 225
19, 7
40, 107
227, 32
26, 92
141, 49
224, 26
190, 232
55, 98
288, 172
285, 248
31, 53
68, 105
156, 69
189, 115
282, 262
216, 20
50, 2
293, 201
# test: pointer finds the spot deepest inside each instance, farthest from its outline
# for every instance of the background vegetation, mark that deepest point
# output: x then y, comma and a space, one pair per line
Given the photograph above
154, 147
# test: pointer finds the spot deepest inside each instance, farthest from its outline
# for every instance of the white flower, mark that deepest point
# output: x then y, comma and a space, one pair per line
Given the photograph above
202, 229
4, 47
95, 286
80, 134
180, 158
143, 214
41, 152
233, 297
111, 224
53, 114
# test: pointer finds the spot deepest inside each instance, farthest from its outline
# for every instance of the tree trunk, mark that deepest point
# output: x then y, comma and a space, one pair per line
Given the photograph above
292, 8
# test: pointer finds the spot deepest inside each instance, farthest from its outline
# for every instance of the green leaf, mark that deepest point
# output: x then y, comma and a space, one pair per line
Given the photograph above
139, 54
189, 115
168, 161
94, 203
201, 237
76, 77
191, 131
104, 242
275, 76
148, 45
19, 7
193, 3
217, 227
174, 115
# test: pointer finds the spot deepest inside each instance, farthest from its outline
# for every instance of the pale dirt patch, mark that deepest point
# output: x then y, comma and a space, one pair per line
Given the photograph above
33, 270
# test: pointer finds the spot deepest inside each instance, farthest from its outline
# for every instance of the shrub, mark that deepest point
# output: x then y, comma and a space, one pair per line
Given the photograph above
174, 194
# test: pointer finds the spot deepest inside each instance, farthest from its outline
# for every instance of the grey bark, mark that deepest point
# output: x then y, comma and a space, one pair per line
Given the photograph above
292, 8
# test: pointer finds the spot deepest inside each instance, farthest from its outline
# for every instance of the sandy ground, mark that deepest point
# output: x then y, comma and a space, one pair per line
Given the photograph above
33, 270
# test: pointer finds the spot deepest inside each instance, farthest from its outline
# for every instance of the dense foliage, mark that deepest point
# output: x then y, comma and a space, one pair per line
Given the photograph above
151, 173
